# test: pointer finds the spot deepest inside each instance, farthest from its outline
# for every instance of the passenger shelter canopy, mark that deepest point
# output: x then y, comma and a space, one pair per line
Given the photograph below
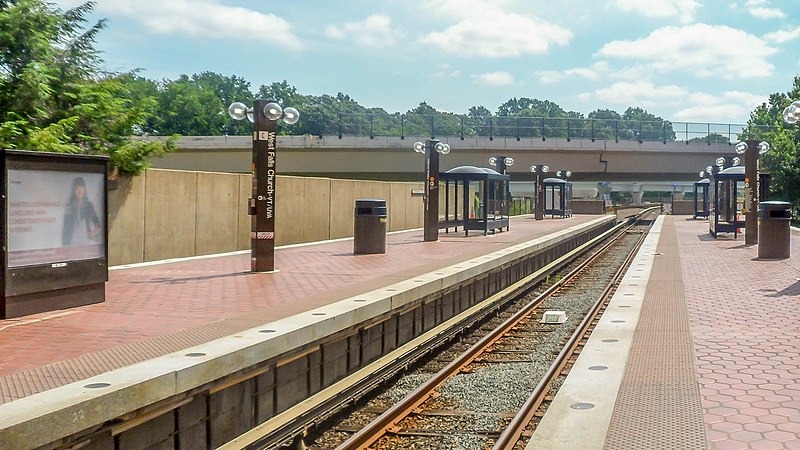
701, 198
557, 197
475, 199
728, 200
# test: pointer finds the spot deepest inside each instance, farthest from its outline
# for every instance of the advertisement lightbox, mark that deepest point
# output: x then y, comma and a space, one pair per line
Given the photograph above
56, 231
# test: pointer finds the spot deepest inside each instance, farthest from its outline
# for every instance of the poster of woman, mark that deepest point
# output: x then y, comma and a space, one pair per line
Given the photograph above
54, 216
81, 224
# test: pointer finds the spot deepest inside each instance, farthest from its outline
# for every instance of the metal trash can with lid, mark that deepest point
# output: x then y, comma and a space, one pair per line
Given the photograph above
773, 229
369, 227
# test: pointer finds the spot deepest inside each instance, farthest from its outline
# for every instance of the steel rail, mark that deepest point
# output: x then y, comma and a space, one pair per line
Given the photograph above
292, 424
389, 420
511, 435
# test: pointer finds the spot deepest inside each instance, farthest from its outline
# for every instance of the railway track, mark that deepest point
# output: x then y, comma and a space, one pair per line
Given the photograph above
474, 394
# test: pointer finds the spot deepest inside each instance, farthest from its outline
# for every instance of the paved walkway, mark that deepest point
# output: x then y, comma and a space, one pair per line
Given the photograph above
741, 370
154, 310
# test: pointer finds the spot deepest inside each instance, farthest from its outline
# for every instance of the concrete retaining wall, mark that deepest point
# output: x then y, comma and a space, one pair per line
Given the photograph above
588, 207
683, 207
171, 213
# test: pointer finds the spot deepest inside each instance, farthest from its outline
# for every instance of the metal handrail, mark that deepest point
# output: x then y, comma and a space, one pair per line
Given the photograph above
447, 125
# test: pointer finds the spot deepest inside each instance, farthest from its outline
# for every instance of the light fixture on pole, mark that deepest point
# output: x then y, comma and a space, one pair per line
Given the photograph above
502, 163
538, 189
563, 174
752, 149
791, 114
262, 203
432, 148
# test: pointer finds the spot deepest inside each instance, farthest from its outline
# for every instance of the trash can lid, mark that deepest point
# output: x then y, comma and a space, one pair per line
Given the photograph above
774, 204
368, 202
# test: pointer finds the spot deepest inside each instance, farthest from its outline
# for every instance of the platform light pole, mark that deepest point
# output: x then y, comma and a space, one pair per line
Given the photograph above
751, 149
502, 163
432, 148
538, 187
262, 203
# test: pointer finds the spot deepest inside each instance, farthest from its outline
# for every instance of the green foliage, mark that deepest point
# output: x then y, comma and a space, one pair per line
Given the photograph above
132, 156
711, 139
605, 124
783, 159
197, 105
55, 96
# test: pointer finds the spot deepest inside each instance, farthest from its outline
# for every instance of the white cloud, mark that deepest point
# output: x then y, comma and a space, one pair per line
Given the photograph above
729, 106
593, 72
205, 19
782, 36
683, 9
700, 49
761, 10
767, 13
637, 93
498, 78
68, 4
374, 31
335, 32
444, 73
488, 29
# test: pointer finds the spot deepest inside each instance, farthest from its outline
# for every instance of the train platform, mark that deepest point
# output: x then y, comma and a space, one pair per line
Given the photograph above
153, 309
697, 349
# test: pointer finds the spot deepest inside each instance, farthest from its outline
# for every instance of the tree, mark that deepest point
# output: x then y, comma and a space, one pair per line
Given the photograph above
783, 159
710, 139
188, 108
641, 125
425, 120
478, 119
605, 123
53, 95
228, 89
526, 117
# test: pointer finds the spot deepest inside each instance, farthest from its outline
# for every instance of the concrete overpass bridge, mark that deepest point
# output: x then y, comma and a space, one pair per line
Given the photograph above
392, 158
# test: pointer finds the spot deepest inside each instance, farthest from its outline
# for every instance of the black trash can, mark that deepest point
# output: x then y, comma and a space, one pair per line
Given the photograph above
773, 229
369, 228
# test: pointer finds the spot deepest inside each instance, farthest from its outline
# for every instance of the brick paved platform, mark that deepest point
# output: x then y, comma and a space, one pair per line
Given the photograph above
158, 309
715, 361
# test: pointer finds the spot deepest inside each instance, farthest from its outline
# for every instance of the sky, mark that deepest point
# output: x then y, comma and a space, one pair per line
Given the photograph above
682, 60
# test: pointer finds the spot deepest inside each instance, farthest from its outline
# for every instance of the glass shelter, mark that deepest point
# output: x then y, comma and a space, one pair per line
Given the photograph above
557, 197
701, 198
475, 199
728, 200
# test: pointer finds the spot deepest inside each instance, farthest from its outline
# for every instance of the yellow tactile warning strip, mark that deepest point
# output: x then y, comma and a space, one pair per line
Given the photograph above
659, 403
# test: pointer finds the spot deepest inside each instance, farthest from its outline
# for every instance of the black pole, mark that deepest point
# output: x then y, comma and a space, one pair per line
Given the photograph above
751, 189
431, 219
538, 210
262, 202
500, 163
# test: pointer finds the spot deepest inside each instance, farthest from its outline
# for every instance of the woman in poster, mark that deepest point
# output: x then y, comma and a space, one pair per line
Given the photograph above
81, 224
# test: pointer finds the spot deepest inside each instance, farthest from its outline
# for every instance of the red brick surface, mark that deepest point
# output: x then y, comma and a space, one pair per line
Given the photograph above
151, 311
745, 324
